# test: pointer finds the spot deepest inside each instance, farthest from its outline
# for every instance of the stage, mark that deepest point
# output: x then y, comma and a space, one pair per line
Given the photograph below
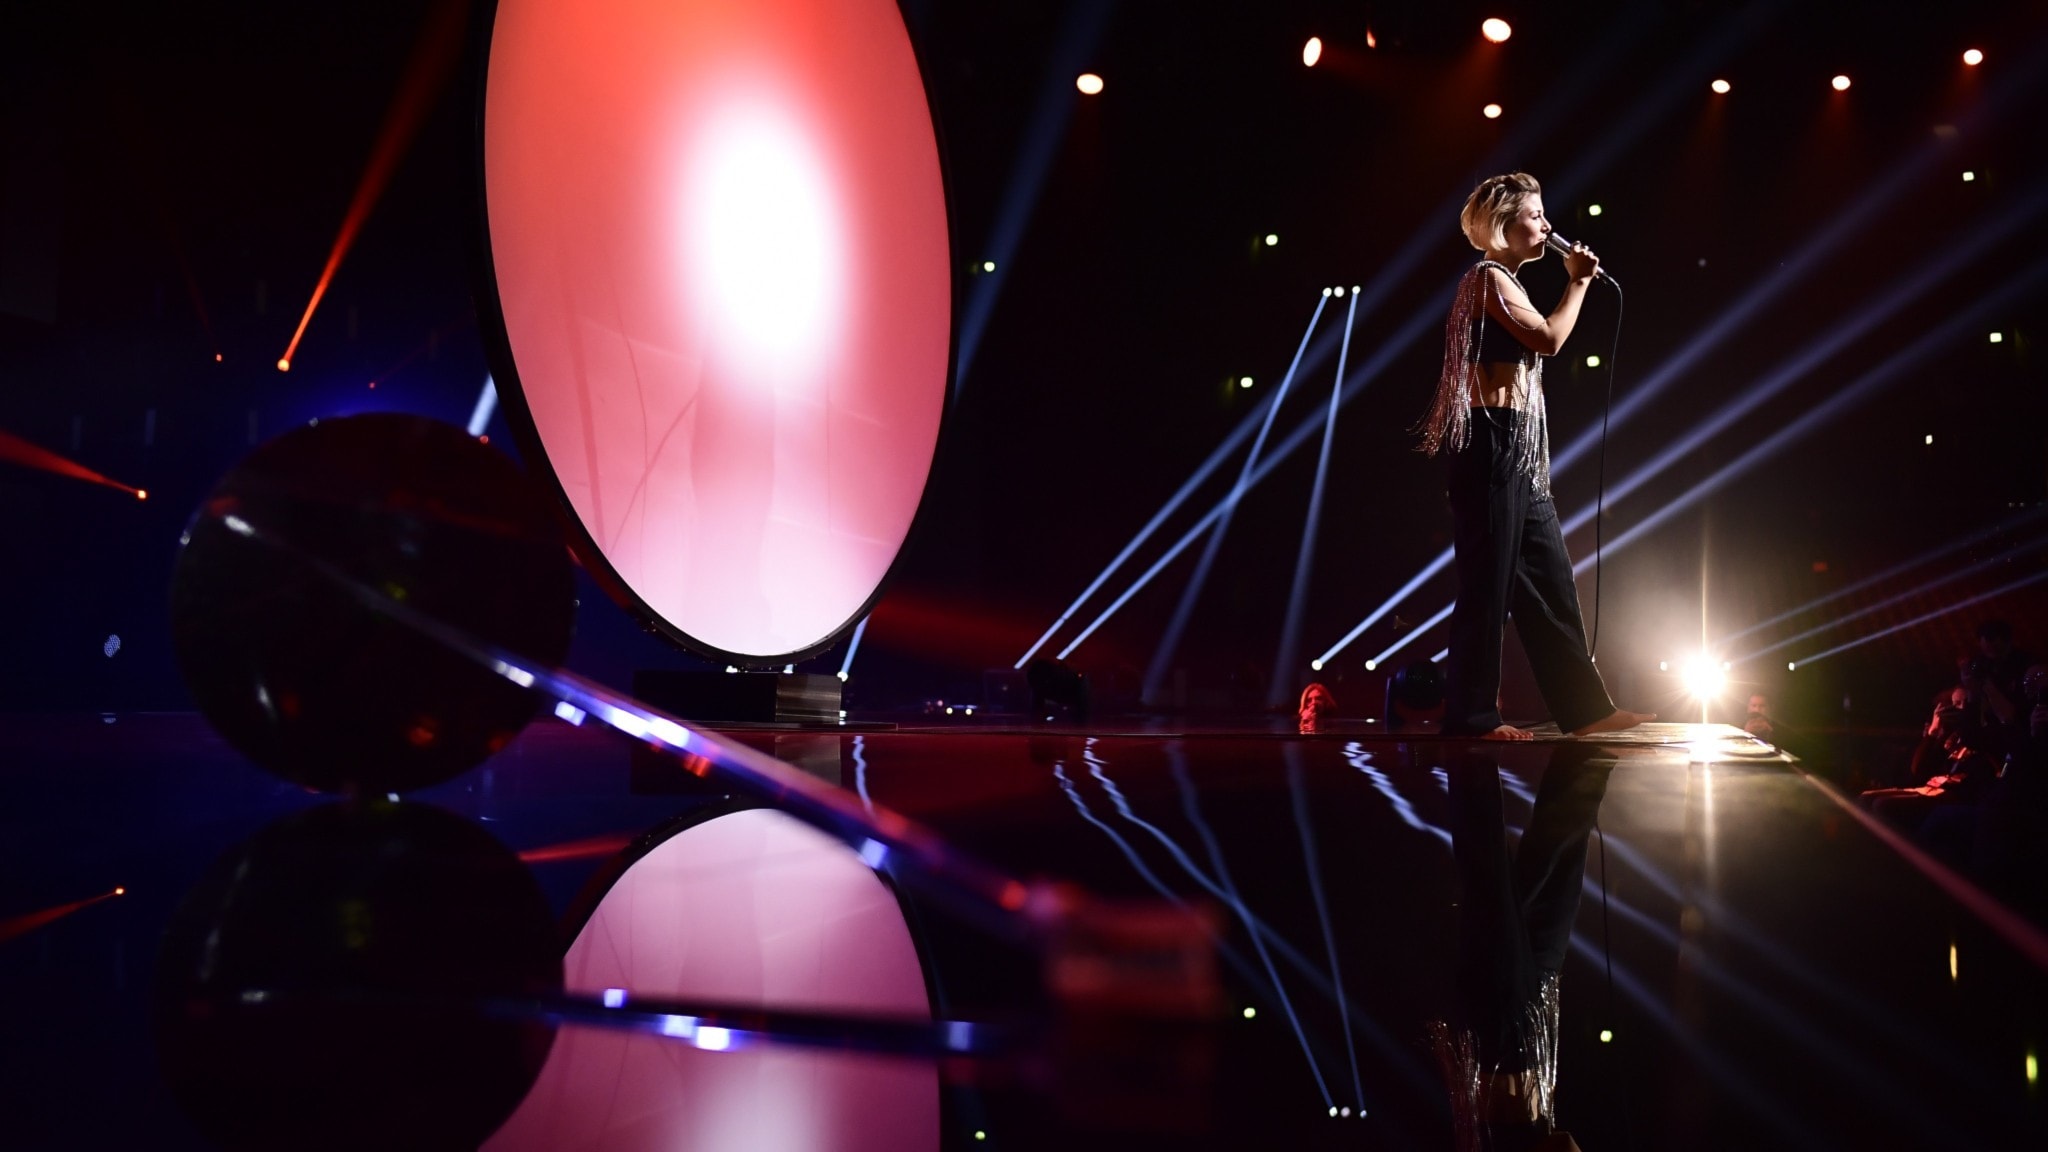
1781, 976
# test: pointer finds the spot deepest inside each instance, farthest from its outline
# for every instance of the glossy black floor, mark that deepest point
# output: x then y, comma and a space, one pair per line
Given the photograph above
1780, 976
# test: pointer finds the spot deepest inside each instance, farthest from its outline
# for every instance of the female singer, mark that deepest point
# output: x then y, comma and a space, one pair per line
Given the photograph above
1488, 416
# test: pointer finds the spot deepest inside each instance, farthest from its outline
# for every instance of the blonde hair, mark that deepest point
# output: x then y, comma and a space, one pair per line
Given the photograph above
1492, 205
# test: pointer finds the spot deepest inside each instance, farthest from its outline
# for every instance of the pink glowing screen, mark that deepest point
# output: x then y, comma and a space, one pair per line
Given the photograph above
748, 908
719, 234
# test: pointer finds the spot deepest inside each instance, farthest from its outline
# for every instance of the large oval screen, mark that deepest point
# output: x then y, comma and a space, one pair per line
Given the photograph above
718, 231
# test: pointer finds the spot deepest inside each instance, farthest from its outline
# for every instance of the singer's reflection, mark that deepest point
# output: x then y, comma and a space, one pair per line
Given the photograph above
1516, 907
1488, 417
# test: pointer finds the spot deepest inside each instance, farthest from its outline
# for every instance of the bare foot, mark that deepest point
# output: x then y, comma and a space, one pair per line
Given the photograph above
1615, 721
1509, 732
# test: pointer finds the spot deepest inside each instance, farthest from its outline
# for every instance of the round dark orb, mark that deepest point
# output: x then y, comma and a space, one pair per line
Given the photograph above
323, 986
314, 680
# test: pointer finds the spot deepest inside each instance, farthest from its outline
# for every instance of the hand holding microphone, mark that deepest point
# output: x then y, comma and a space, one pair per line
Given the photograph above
1578, 259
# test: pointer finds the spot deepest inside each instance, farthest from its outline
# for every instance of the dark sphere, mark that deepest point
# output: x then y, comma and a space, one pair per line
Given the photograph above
322, 987
303, 673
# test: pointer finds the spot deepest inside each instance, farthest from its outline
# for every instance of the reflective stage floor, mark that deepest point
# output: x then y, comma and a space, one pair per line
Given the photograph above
1750, 965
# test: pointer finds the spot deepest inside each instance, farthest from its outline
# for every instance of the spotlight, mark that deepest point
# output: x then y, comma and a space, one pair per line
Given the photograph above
1703, 678
1720, 87
1371, 41
1371, 665
1998, 337
124, 892
1491, 111
1791, 665
1841, 83
216, 357
1315, 665
1089, 83
1312, 51
1249, 1013
1593, 209
1930, 438
1606, 1036
1340, 292
1969, 176
1973, 57
1244, 381
142, 493
1272, 239
1496, 30
1592, 361
988, 265
284, 365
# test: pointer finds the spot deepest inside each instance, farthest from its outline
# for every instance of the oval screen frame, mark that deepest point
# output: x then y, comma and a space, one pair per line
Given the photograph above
803, 470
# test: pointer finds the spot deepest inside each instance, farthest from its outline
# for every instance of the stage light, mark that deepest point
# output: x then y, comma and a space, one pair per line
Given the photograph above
1491, 111
1250, 1012
1952, 962
980, 1135
1312, 51
1720, 87
1338, 292
1703, 678
1663, 665
1592, 209
988, 265
1592, 361
2033, 1069
1841, 83
120, 891
1371, 41
142, 493
284, 365
1606, 1036
1998, 337
1496, 30
1791, 665
1089, 83
1333, 1109
1973, 57
843, 677
1244, 381
1315, 665
1272, 239
216, 357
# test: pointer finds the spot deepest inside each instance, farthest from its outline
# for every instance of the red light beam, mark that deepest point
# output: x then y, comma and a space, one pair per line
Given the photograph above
591, 848
15, 450
28, 922
426, 73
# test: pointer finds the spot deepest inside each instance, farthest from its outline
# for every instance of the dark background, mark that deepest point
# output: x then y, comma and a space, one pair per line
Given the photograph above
174, 178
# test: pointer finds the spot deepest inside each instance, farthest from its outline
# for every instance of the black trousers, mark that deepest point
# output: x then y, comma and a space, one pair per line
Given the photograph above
1511, 560
1516, 906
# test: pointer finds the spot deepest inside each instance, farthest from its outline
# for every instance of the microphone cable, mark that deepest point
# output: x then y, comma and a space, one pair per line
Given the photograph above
1600, 494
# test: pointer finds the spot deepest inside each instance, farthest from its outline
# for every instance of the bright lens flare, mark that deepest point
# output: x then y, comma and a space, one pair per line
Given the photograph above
1312, 51
1089, 83
1496, 30
766, 242
1704, 677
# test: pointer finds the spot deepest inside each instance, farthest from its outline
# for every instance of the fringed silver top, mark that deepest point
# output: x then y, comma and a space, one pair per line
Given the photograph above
1488, 1092
1448, 426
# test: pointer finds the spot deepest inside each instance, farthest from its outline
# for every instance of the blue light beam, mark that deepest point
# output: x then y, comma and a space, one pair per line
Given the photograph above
1304, 561
1169, 643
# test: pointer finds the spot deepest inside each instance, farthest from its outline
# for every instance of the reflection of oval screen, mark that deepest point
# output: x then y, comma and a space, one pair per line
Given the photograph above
748, 908
719, 234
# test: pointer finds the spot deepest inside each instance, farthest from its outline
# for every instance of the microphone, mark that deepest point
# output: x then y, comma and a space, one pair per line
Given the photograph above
1563, 247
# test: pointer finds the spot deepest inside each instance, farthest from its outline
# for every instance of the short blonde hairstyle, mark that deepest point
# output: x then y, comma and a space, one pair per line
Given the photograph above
1492, 205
